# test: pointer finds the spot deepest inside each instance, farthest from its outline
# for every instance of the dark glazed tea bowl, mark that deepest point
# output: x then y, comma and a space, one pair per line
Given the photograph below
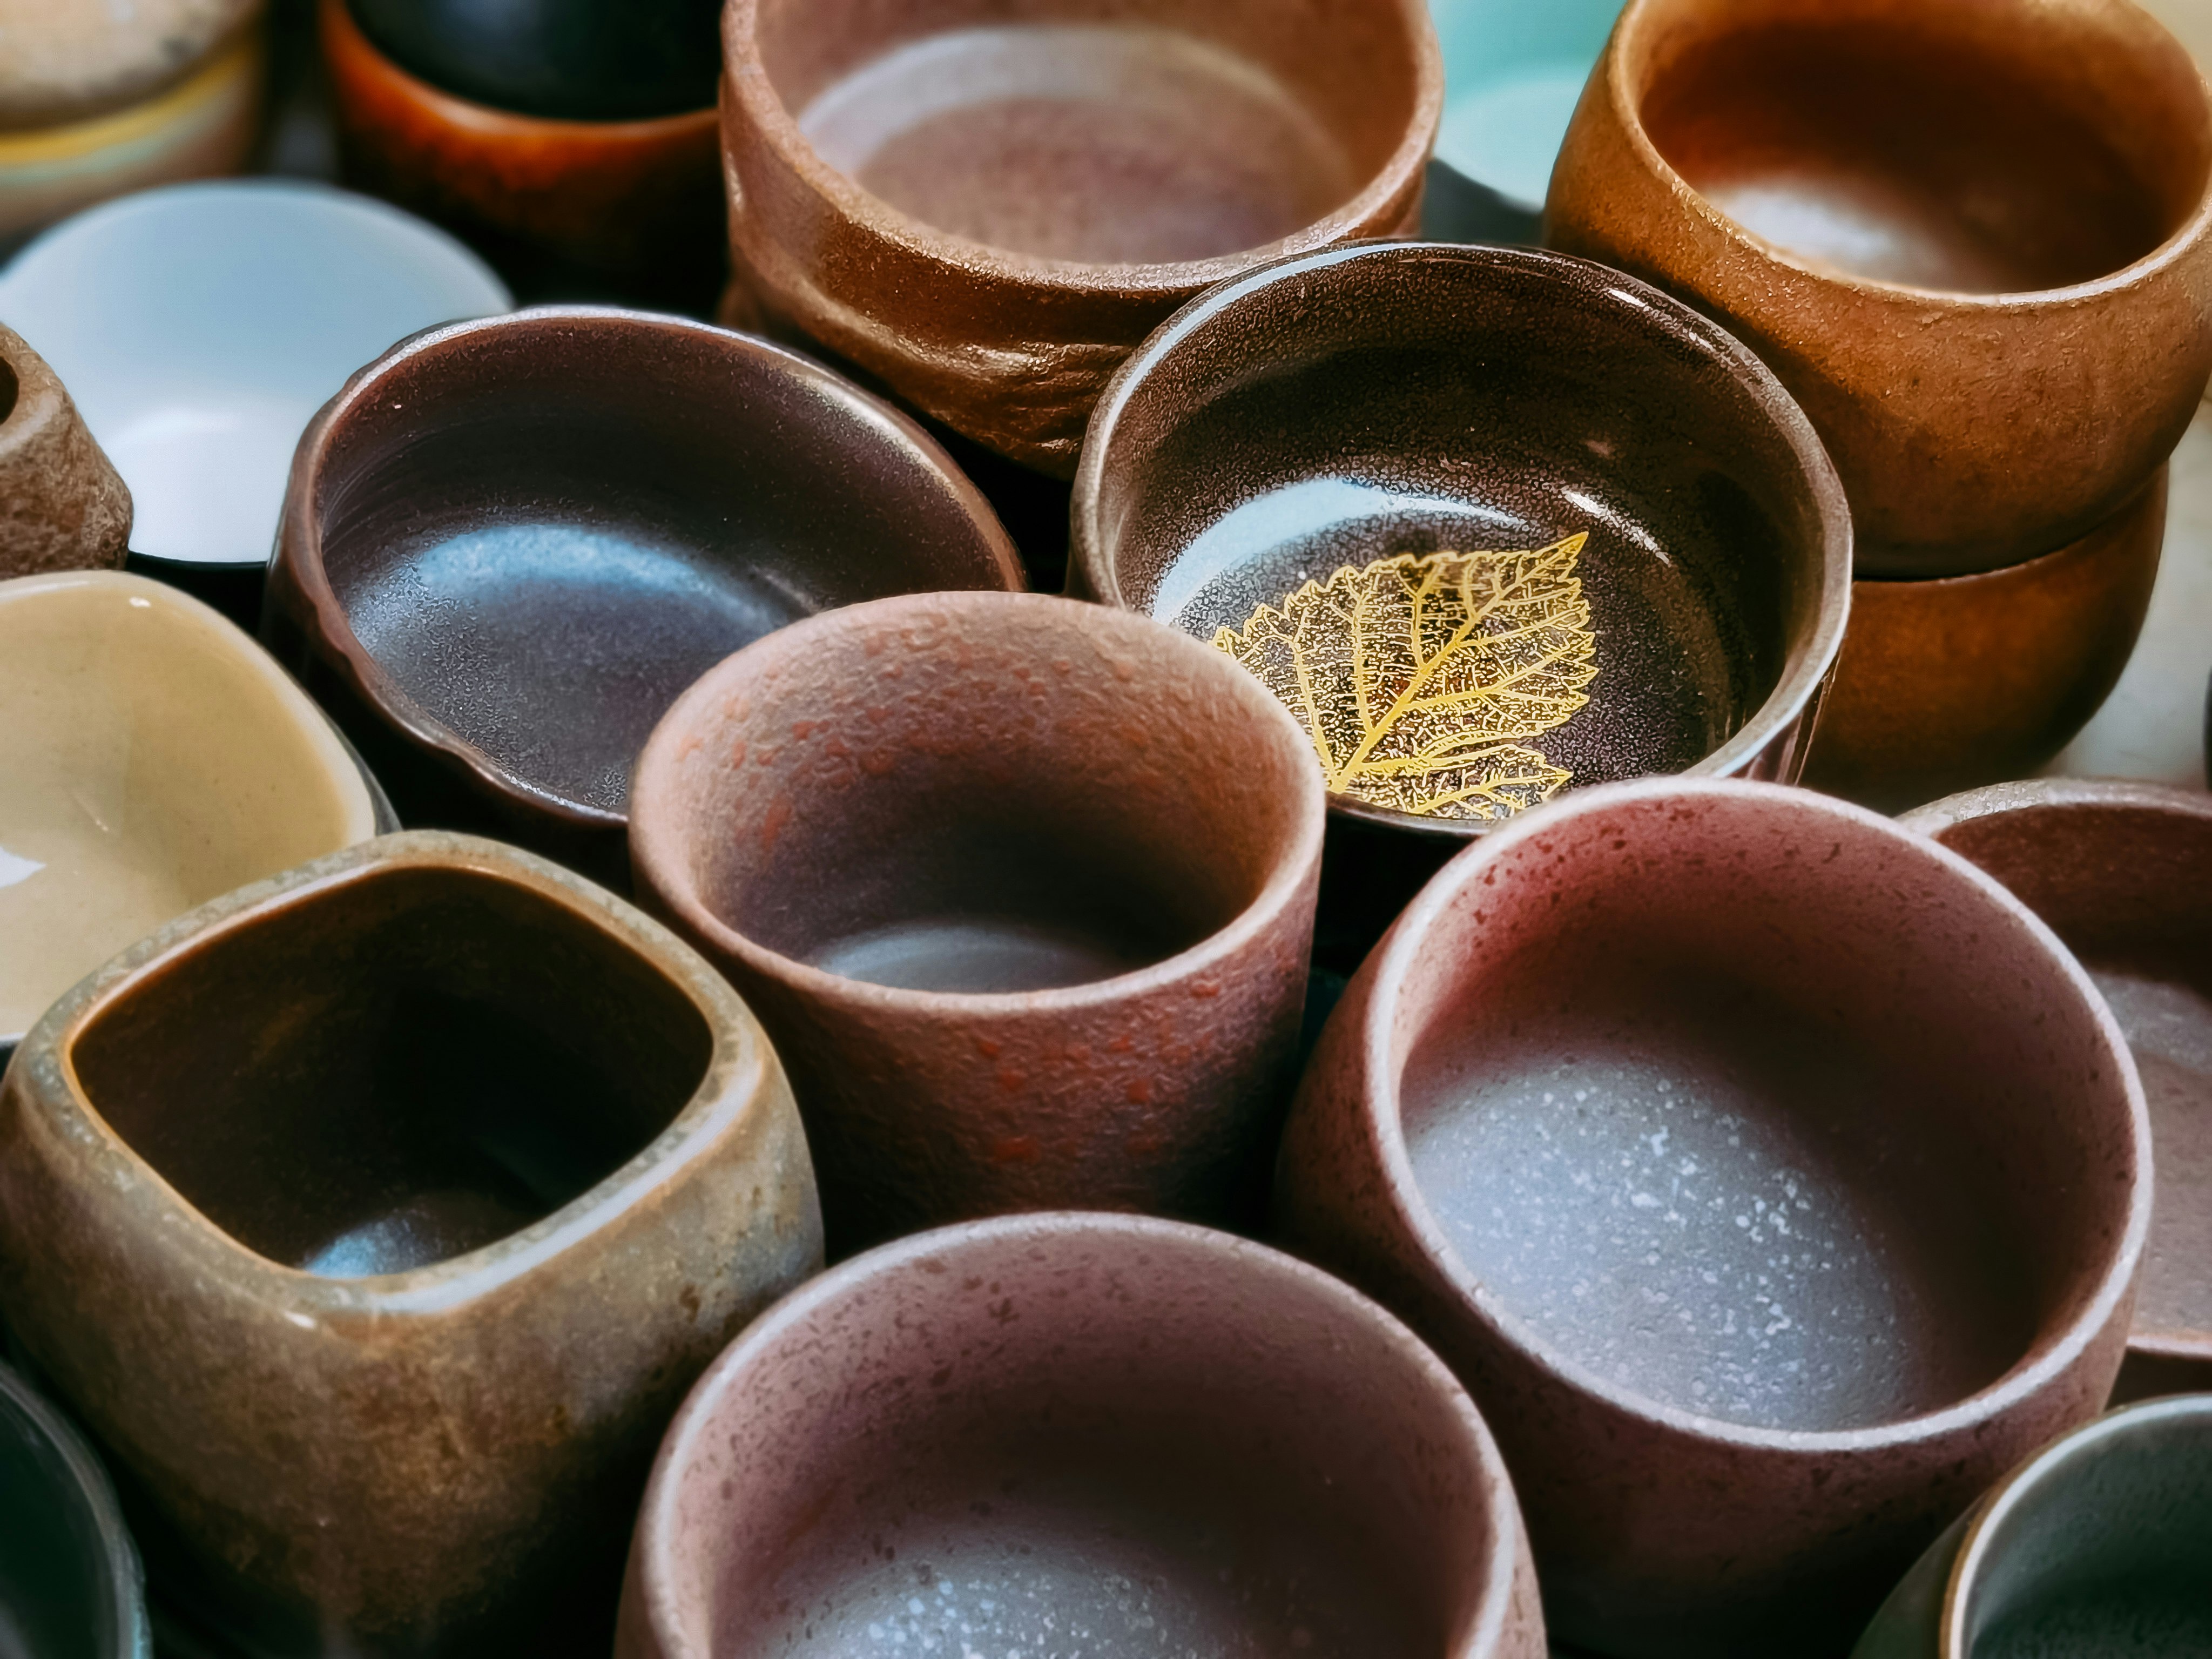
1064, 1434
69, 1585
1023, 889
1772, 1177
1303, 423
509, 544
2123, 873
376, 1219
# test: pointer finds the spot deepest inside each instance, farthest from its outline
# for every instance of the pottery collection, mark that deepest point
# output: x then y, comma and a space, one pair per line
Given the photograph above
613, 1040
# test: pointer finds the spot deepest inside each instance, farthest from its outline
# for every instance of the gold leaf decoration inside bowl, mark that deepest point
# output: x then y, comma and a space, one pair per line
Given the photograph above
1421, 677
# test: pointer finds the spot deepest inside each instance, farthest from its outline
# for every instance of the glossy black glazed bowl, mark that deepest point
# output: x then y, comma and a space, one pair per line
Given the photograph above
69, 1584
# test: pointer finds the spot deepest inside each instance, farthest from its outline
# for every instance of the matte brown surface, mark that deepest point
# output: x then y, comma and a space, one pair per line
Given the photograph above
1972, 239
1023, 889
63, 506
1079, 1434
1773, 1178
988, 205
412, 1187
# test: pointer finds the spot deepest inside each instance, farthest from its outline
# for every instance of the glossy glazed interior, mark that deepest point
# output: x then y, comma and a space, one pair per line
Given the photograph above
572, 60
68, 1589
393, 1068
151, 758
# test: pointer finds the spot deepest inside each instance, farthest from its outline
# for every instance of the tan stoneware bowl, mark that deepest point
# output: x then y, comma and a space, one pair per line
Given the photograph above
1974, 239
1023, 891
2123, 873
1772, 1177
1079, 1434
63, 506
509, 544
152, 757
987, 205
376, 1218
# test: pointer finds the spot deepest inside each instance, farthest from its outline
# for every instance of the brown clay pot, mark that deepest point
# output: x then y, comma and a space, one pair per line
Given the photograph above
1974, 239
63, 506
988, 205
1951, 683
1023, 888
1773, 1179
2123, 873
1079, 1434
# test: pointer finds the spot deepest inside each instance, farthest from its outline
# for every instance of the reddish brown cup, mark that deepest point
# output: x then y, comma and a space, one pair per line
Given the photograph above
1023, 890
1078, 1433
1773, 1179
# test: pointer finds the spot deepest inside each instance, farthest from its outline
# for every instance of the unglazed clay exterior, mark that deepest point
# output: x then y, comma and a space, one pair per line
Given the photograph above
1174, 1441
1122, 827
62, 60
1773, 1179
402, 1403
63, 506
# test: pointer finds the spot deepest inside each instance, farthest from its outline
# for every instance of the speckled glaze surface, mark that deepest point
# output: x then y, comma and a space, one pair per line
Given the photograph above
2123, 873
69, 1581
1006, 292
1096, 844
1176, 1441
63, 506
613, 503
1773, 1179
2032, 174
1952, 682
64, 60
417, 1344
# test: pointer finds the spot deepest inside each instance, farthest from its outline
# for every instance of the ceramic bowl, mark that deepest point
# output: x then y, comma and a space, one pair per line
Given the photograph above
1772, 1177
151, 757
1973, 240
69, 1584
1310, 420
2123, 873
1023, 889
1950, 683
2101, 1543
988, 207
434, 1175
61, 506
66, 62
1513, 73
1079, 1434
510, 544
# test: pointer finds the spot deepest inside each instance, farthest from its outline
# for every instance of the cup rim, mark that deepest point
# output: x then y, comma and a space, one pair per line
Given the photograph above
1383, 1115
124, 1580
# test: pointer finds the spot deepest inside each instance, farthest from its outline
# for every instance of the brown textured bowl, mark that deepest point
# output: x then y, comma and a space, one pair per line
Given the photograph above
987, 205
509, 545
1079, 1434
376, 1218
1950, 683
63, 506
2123, 873
1772, 1177
1023, 889
1973, 239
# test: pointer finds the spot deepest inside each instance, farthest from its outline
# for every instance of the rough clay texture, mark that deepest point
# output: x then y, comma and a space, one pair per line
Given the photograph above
63, 506
62, 60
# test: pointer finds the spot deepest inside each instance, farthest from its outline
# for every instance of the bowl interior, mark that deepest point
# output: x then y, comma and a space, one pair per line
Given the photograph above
1988, 147
573, 60
1140, 132
1761, 1113
394, 1068
152, 757
1513, 73
58, 1595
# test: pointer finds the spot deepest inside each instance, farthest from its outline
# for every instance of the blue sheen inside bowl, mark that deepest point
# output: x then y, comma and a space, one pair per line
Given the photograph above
1513, 69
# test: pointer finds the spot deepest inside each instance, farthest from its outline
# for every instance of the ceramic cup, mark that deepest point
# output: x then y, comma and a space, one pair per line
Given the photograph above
68, 63
2099, 1544
434, 1175
61, 506
1974, 239
151, 757
1772, 1177
988, 206
69, 1583
510, 544
1023, 889
1073, 1433
1512, 74
2123, 873
1308, 421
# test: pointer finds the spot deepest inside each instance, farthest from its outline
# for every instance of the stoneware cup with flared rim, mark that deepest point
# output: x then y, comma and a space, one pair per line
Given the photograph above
1772, 1177
1974, 240
69, 1581
62, 505
988, 206
2123, 873
152, 757
434, 1175
509, 545
1070, 1432
2099, 1544
1022, 889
